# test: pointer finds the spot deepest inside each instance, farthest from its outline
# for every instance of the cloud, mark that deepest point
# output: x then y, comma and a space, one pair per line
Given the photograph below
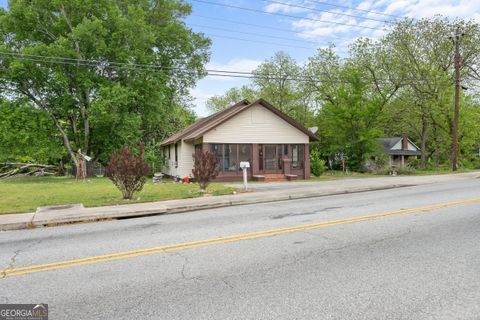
238, 64
288, 8
347, 28
427, 8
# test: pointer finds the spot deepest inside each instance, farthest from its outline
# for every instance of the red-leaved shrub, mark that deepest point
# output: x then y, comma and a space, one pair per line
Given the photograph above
205, 168
128, 171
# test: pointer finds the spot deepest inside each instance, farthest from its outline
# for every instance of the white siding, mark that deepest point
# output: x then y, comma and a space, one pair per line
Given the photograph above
398, 146
411, 147
185, 160
255, 125
171, 170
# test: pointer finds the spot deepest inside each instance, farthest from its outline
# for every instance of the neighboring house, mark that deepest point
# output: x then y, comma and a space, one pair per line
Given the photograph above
276, 146
399, 150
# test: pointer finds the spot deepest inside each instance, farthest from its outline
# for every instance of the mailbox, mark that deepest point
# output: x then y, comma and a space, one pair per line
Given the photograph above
244, 164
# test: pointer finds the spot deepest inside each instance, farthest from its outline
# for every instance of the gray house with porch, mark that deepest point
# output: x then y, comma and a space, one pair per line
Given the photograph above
399, 150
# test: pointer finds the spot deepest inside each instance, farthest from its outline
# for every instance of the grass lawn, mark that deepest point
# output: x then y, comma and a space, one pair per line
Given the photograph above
27, 193
335, 175
425, 172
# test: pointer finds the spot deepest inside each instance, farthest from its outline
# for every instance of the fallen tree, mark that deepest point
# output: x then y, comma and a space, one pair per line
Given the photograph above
19, 169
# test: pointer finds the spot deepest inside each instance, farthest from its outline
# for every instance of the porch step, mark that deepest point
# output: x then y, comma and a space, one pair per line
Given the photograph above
275, 177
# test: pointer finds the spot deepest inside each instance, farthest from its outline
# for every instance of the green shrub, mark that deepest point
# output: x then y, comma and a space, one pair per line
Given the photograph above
414, 163
317, 165
406, 171
472, 162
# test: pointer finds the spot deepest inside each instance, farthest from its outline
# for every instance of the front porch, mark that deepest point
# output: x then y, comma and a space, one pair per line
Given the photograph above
268, 162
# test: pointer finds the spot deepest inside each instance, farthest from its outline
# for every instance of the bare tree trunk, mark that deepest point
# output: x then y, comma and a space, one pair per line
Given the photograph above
33, 97
86, 130
14, 169
66, 142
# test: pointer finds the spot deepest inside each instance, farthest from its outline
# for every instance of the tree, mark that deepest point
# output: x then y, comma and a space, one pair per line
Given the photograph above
276, 80
205, 168
401, 83
127, 171
230, 97
422, 52
105, 92
348, 121
26, 135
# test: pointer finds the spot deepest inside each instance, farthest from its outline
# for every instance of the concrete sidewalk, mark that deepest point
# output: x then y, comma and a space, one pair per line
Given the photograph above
49, 216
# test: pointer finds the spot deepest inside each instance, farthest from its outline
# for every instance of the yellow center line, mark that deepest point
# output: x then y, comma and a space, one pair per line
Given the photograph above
221, 240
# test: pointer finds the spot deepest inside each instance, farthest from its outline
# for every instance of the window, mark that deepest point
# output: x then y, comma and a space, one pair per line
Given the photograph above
279, 156
230, 157
198, 148
297, 156
244, 153
217, 150
176, 155
260, 157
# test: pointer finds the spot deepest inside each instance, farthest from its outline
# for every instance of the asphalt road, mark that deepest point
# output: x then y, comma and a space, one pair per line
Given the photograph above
357, 256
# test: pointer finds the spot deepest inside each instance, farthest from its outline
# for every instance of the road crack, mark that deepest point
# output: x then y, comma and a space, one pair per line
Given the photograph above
13, 259
183, 275
227, 283
11, 263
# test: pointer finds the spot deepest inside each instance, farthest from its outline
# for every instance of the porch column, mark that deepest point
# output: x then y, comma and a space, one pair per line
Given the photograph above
306, 161
403, 161
205, 147
254, 165
287, 162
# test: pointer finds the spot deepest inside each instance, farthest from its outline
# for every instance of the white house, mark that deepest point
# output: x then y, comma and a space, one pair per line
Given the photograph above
276, 146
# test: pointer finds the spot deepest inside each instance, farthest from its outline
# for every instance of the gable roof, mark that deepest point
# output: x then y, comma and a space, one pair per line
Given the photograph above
180, 135
202, 126
389, 143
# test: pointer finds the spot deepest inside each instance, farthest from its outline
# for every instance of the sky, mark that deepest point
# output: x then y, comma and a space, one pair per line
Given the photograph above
300, 36
242, 39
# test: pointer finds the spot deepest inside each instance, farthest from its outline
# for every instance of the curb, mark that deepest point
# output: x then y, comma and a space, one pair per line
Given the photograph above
84, 215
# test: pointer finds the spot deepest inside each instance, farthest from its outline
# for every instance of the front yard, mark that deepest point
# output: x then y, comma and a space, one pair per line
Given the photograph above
26, 194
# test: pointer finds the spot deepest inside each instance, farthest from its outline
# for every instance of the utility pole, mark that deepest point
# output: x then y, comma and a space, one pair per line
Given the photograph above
457, 63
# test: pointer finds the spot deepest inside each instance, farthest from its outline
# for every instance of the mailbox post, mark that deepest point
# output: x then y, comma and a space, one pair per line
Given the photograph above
245, 165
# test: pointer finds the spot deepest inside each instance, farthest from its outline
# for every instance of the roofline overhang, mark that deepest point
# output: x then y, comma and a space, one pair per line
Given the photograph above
217, 119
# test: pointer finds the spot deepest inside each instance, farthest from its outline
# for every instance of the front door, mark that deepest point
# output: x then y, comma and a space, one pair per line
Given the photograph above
272, 158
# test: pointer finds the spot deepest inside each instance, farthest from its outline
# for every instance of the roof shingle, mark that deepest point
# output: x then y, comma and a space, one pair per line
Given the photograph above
200, 127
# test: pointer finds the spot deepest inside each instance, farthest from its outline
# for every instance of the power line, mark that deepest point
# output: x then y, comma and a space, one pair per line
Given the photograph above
286, 15
321, 10
259, 41
356, 9
106, 63
267, 27
146, 67
251, 33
